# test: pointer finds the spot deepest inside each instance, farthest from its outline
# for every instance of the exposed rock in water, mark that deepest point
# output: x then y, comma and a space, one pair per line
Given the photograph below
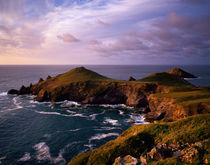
13, 91
131, 79
127, 160
24, 90
181, 73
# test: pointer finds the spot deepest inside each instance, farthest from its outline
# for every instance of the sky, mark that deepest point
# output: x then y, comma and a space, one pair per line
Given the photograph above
131, 32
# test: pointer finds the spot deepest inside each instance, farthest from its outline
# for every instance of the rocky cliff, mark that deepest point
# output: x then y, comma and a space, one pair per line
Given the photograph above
88, 87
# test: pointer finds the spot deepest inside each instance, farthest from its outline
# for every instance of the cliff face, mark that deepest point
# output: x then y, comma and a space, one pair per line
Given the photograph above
131, 94
88, 87
171, 110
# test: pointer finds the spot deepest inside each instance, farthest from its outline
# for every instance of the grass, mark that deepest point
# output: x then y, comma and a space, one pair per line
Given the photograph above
188, 96
164, 78
187, 130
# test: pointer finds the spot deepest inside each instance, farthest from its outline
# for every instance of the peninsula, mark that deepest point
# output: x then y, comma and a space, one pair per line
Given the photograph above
179, 110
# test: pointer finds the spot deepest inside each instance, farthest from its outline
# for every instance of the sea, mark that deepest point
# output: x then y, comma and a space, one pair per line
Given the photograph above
34, 133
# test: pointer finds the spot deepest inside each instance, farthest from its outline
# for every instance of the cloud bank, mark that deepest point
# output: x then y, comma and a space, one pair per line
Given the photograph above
104, 32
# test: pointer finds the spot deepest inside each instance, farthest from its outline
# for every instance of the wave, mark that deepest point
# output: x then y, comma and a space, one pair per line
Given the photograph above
70, 130
93, 116
70, 111
107, 128
43, 154
67, 103
3, 94
2, 158
121, 112
40, 103
26, 157
103, 136
59, 114
47, 135
17, 105
138, 119
111, 121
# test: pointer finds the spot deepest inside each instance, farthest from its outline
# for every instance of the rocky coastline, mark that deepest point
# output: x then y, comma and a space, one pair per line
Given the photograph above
166, 98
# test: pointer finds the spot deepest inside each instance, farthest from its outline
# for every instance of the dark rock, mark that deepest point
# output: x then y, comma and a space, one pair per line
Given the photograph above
131, 79
181, 73
40, 80
24, 90
127, 160
146, 110
13, 91
152, 116
49, 77
160, 152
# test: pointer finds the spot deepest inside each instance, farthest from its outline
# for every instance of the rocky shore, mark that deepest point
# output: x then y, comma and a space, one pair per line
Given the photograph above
168, 100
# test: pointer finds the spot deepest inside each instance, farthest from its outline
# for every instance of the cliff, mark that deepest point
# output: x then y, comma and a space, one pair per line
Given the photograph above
159, 93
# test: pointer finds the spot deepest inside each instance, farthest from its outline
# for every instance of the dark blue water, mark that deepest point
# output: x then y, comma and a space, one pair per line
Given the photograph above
52, 133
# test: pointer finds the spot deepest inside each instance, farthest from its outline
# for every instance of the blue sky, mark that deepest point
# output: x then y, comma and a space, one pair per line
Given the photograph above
105, 32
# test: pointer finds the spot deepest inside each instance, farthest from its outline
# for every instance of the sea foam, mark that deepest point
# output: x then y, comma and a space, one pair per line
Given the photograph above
3, 94
26, 157
103, 136
111, 121
43, 154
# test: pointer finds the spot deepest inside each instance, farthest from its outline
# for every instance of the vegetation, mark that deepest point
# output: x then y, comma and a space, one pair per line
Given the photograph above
164, 78
188, 96
189, 130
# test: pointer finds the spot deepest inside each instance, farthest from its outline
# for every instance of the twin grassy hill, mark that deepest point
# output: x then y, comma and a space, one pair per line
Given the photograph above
140, 139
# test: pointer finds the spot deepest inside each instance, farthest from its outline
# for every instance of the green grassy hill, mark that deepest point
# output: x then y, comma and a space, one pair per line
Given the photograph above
189, 130
164, 78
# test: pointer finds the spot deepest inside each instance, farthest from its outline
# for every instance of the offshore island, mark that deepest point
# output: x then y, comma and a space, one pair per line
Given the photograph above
177, 110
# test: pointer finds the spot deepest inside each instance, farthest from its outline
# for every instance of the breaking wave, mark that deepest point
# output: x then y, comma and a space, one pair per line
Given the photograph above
43, 154
103, 136
59, 114
3, 94
111, 121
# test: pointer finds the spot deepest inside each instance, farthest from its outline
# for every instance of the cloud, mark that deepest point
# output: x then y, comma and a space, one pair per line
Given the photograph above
68, 38
100, 22
111, 29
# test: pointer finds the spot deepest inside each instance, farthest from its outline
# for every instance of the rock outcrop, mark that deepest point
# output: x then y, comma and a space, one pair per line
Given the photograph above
127, 160
131, 79
181, 73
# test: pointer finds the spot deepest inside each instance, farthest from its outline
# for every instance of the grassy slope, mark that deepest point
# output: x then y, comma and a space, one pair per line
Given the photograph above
164, 78
76, 75
182, 91
189, 130
188, 96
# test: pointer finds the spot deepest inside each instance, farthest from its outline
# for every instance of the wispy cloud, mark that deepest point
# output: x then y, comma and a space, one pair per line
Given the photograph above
68, 38
100, 29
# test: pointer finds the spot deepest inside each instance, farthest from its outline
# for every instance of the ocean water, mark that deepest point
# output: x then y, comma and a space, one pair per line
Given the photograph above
52, 133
